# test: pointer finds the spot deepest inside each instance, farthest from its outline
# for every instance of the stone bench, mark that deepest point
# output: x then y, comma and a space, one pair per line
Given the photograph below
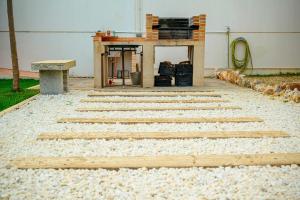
54, 75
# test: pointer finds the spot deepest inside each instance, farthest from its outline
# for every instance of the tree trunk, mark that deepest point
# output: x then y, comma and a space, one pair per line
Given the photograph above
13, 46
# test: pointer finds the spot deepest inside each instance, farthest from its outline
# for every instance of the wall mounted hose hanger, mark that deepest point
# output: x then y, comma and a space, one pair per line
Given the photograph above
241, 64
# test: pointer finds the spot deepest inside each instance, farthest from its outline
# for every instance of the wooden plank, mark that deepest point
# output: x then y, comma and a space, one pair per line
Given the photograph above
161, 94
166, 90
101, 100
159, 135
170, 161
102, 109
161, 120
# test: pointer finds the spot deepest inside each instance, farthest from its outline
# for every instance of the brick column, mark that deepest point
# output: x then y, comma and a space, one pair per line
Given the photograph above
200, 22
202, 27
199, 49
151, 34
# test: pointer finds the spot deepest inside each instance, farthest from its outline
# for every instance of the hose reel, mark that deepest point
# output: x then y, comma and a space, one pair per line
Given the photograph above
241, 64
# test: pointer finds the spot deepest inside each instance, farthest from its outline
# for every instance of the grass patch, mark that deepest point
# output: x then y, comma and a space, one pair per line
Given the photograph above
9, 98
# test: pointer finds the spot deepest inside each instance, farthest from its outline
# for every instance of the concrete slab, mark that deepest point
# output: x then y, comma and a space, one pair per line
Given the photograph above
51, 82
53, 65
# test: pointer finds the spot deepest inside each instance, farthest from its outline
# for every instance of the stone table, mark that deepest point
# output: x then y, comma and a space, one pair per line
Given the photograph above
54, 75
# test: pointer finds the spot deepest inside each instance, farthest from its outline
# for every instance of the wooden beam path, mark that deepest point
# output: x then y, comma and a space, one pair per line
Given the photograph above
160, 94
101, 100
159, 135
170, 161
135, 90
161, 120
102, 109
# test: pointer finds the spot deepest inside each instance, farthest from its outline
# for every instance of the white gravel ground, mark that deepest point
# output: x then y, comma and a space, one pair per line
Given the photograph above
18, 131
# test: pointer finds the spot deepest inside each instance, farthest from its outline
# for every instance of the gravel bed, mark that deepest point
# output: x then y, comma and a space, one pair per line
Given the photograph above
190, 183
18, 138
275, 80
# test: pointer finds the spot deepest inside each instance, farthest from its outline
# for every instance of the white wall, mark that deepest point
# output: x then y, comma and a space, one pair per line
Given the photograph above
276, 48
62, 28
44, 46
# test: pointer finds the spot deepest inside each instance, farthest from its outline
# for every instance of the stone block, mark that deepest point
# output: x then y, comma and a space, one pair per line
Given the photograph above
66, 80
54, 75
53, 65
51, 82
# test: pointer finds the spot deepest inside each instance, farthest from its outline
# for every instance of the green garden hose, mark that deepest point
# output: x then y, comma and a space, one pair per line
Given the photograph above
242, 64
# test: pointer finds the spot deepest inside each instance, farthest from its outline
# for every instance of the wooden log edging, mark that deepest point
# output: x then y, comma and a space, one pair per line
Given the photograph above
103, 109
159, 135
170, 161
161, 120
99, 100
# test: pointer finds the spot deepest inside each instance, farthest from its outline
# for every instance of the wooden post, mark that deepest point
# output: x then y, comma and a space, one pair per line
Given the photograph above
148, 65
123, 67
13, 46
190, 53
98, 50
198, 65
104, 68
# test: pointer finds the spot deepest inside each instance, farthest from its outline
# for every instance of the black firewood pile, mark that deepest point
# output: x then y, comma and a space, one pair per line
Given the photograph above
183, 73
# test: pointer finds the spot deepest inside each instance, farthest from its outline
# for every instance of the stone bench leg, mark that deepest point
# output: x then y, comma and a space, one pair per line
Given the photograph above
66, 80
51, 82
